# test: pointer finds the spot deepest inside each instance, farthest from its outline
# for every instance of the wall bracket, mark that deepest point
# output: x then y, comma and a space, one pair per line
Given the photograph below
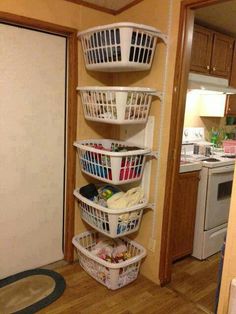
154, 154
151, 206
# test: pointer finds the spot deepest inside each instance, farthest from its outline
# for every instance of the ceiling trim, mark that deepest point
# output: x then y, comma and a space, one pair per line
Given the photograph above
92, 6
106, 10
128, 6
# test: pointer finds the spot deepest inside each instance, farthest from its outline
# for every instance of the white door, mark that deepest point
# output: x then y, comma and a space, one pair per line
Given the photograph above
32, 145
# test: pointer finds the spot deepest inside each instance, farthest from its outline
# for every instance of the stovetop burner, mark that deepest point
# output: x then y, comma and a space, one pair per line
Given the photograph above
229, 156
210, 159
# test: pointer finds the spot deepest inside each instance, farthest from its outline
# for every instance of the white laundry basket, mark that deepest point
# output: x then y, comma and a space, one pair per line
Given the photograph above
116, 105
111, 275
119, 47
111, 222
109, 166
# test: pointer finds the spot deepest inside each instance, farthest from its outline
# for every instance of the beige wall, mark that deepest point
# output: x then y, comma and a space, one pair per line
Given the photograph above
192, 117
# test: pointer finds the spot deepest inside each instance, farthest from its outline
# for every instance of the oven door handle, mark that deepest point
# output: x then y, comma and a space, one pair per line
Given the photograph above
224, 169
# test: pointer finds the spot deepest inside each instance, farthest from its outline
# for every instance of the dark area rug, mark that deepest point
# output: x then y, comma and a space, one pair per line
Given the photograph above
30, 291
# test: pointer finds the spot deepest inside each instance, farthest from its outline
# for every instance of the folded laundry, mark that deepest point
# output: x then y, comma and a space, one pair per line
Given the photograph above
122, 148
120, 200
112, 197
89, 191
107, 191
111, 250
99, 195
116, 147
128, 173
117, 201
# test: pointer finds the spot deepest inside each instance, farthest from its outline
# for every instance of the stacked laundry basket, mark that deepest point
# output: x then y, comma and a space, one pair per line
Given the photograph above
105, 253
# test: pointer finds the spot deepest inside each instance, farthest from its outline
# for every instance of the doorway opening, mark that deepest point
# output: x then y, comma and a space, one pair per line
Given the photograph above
191, 12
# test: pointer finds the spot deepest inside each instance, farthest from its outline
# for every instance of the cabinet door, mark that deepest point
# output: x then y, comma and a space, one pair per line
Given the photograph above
201, 49
230, 109
233, 69
184, 212
222, 53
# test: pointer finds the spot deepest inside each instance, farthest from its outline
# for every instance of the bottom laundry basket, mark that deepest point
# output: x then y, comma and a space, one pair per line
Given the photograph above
111, 275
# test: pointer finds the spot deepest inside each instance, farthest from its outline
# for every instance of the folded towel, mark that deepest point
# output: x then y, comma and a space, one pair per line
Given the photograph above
121, 200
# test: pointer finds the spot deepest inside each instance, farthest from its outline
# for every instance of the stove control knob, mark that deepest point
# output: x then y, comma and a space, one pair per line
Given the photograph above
186, 132
200, 134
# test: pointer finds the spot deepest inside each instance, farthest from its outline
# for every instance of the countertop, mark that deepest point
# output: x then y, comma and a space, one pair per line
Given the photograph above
191, 163
189, 166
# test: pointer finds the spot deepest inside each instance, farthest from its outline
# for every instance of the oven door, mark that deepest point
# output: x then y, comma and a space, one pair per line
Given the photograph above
218, 196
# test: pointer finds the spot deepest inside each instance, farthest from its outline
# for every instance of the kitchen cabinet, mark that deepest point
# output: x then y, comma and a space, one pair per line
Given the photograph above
185, 202
232, 82
211, 52
230, 108
201, 49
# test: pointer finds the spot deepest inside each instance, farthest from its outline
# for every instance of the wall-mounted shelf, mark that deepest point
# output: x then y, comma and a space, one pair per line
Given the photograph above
120, 47
117, 105
110, 161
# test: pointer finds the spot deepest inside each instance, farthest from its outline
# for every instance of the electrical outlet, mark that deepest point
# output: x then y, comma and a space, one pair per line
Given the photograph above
152, 244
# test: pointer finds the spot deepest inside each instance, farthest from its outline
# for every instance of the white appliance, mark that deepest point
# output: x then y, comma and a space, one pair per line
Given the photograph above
209, 83
214, 193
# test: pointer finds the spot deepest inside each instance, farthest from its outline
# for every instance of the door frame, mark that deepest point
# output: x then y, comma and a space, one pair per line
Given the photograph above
182, 68
72, 52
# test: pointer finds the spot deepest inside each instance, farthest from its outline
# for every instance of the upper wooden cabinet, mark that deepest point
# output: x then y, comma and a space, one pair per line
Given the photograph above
222, 53
211, 52
201, 49
230, 108
232, 81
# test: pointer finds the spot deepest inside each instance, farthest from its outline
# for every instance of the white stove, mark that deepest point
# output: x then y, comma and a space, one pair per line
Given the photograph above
196, 136
214, 193
216, 159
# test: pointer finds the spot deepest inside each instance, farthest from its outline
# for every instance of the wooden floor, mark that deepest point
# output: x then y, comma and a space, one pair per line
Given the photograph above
84, 295
196, 281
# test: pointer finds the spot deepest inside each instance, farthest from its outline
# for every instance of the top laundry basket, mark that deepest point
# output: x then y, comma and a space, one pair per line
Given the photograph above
119, 47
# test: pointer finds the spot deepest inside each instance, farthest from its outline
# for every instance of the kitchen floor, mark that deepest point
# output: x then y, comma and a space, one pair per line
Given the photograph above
196, 281
84, 295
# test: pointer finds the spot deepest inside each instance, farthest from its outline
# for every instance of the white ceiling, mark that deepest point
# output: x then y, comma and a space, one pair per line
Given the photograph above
220, 16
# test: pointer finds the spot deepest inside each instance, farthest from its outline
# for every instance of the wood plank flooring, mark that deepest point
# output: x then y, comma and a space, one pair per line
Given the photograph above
84, 295
197, 281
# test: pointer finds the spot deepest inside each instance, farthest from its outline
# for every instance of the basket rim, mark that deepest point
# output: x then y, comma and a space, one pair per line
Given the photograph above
109, 210
117, 88
128, 262
80, 144
155, 31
